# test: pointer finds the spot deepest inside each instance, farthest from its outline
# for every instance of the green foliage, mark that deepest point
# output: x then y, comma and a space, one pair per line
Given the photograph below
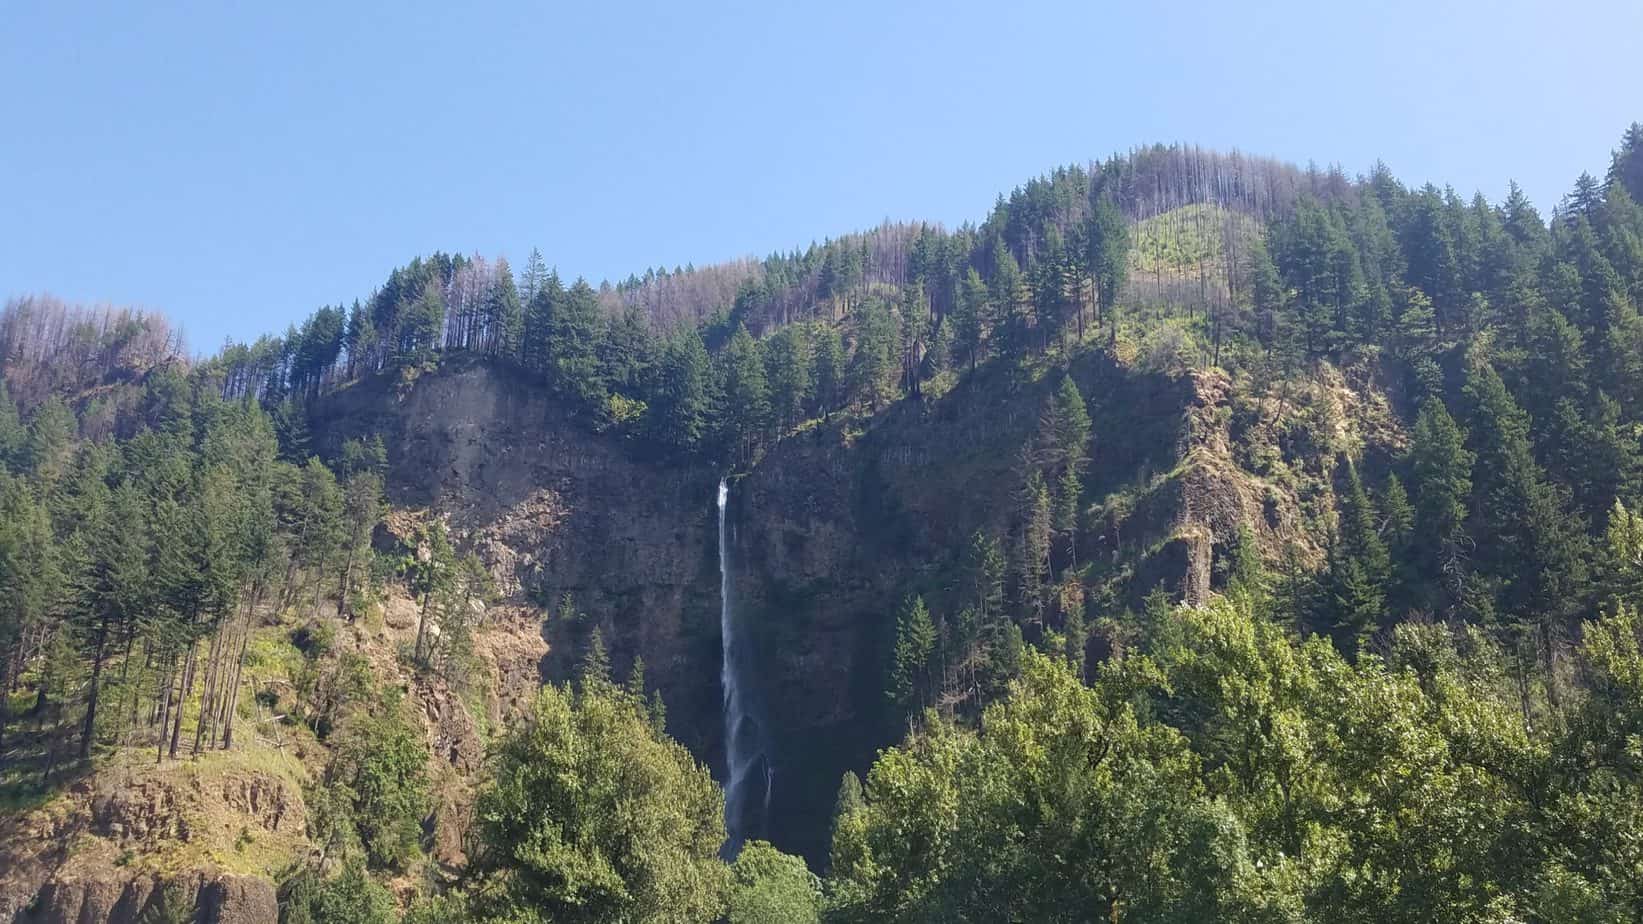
350, 897
1359, 568
1036, 816
1228, 771
770, 887
679, 411
379, 773
912, 669
1536, 545
592, 816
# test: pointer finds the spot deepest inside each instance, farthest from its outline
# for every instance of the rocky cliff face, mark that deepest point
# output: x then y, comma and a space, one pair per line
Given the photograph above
833, 527
555, 509
66, 864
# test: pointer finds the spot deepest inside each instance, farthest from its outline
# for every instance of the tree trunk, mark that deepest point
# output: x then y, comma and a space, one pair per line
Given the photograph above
232, 702
208, 701
182, 699
165, 708
90, 727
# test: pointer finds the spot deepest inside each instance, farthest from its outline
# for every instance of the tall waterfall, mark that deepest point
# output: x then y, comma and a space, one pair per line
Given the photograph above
748, 775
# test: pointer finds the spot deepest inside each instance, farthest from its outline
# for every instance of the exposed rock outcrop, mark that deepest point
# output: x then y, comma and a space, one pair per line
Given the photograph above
831, 528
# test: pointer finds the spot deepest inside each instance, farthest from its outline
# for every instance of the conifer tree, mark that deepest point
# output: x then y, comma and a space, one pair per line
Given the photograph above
1442, 469
1107, 242
913, 667
970, 320
504, 314
830, 370
1037, 527
1359, 567
746, 409
13, 436
572, 346
115, 590
50, 440
788, 370
1536, 547
872, 367
680, 407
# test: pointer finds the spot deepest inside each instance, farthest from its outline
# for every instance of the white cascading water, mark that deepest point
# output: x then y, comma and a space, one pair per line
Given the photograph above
743, 749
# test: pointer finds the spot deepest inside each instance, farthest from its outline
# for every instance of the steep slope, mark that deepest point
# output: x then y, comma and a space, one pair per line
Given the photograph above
829, 530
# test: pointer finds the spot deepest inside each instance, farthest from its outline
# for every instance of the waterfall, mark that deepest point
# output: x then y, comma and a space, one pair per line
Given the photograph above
746, 811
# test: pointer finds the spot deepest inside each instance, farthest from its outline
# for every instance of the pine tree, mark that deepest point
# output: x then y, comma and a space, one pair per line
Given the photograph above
50, 440
910, 340
970, 320
1107, 242
830, 370
504, 314
533, 277
627, 354
431, 576
850, 799
680, 406
1359, 568
13, 437
1441, 466
1245, 571
542, 308
788, 370
1068, 420
30, 581
1626, 169
1011, 302
746, 408
1397, 516
422, 326
1623, 557
1037, 526
912, 667
115, 589
1536, 546
872, 369
573, 347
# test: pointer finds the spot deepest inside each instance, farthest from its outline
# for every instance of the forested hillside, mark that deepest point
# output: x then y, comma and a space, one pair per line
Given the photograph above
1194, 538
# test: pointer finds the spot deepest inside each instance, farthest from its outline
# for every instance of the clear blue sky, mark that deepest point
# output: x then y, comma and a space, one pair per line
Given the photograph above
238, 164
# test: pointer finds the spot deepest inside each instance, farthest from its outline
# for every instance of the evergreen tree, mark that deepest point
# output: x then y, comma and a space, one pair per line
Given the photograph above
1536, 547
573, 348
970, 320
422, 326
13, 437
913, 668
1011, 303
541, 310
746, 408
29, 581
830, 370
872, 369
1107, 241
115, 590
1037, 526
1626, 170
680, 406
504, 314
533, 278
1359, 568
1441, 466
50, 440
627, 354
849, 800
788, 370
